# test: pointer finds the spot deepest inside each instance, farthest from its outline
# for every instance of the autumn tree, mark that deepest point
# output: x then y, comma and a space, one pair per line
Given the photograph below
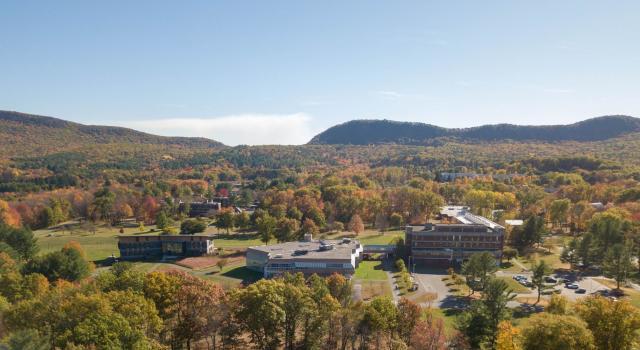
507, 337
547, 331
287, 229
356, 225
408, 316
614, 324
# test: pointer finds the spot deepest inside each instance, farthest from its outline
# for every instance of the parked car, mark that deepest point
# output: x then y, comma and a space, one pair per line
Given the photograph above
572, 286
550, 279
581, 291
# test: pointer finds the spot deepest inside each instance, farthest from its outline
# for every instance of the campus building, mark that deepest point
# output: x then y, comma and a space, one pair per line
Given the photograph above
158, 246
308, 257
458, 234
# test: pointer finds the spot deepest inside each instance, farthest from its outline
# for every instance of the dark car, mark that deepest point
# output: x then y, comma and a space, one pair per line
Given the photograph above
550, 280
581, 291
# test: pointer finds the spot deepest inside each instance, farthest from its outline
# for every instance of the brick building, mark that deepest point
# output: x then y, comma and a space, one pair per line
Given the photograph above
459, 234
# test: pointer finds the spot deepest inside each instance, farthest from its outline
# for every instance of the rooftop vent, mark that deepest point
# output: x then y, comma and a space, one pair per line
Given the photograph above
325, 247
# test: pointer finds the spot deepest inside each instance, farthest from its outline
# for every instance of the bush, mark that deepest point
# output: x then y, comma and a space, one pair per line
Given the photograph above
192, 226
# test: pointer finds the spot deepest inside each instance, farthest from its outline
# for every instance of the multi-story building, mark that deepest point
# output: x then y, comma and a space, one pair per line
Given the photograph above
458, 235
308, 257
158, 246
201, 209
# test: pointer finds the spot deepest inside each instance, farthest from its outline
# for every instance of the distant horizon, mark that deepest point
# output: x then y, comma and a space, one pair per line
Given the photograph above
292, 69
252, 120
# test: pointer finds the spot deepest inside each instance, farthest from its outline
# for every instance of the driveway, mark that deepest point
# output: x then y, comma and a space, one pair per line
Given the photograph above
430, 281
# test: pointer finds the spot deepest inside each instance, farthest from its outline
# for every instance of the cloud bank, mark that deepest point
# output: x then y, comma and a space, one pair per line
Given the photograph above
241, 129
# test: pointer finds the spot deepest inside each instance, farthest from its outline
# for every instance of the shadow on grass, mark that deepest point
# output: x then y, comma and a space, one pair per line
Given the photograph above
237, 236
244, 274
506, 265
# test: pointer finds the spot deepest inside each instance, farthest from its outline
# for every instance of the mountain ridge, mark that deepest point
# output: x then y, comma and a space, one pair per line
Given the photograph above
383, 131
31, 134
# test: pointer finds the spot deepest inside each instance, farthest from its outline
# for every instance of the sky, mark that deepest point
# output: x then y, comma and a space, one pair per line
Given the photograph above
278, 72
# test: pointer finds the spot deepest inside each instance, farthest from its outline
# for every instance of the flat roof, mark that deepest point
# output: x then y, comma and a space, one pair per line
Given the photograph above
341, 250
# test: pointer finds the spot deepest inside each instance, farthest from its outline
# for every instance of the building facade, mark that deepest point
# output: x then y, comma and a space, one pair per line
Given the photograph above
308, 257
158, 246
453, 241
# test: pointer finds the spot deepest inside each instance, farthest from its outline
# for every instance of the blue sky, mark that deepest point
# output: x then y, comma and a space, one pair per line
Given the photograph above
259, 72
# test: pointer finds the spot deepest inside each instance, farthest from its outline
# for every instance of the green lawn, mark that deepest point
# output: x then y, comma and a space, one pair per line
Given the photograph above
552, 259
97, 246
514, 285
386, 238
370, 270
237, 240
447, 316
231, 276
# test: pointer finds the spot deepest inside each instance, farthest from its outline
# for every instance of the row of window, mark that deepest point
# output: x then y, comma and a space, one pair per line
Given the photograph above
482, 238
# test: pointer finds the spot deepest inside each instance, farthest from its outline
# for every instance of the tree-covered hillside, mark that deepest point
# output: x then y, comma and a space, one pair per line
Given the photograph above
33, 135
365, 132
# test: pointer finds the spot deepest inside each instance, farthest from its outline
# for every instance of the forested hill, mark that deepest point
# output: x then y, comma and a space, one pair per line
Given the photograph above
25, 134
365, 132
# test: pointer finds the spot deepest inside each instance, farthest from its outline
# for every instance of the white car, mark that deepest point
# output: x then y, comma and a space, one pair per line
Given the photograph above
572, 286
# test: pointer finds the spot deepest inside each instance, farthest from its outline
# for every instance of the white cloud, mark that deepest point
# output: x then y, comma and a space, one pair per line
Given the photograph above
390, 94
248, 129
558, 90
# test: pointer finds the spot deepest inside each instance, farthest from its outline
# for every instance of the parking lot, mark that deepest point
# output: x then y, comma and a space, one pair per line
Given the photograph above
431, 280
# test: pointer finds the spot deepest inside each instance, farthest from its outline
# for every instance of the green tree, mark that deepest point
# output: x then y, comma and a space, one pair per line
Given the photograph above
261, 312
162, 221
381, 317
266, 227
286, 229
21, 240
192, 226
103, 203
243, 220
617, 263
396, 220
548, 331
540, 269
69, 264
558, 211
478, 269
509, 253
528, 234
225, 220
480, 322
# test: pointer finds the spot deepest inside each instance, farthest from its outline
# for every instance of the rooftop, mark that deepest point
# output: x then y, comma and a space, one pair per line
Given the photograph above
313, 250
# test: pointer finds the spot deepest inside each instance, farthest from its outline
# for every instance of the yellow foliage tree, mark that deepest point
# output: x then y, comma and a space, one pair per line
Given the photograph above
507, 337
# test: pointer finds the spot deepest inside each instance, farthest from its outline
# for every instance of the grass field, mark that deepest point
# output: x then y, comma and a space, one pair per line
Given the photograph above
552, 259
98, 246
374, 288
514, 285
370, 270
369, 236
447, 316
238, 240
